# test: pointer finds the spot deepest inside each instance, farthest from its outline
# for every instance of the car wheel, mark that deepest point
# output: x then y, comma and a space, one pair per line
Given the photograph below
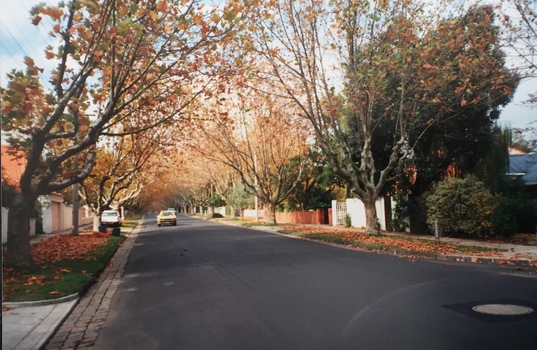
158, 225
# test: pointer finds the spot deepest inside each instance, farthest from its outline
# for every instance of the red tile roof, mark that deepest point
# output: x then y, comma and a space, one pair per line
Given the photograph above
13, 164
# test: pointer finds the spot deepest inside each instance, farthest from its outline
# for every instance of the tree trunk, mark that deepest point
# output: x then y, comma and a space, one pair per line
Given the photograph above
19, 253
96, 222
232, 211
372, 226
271, 212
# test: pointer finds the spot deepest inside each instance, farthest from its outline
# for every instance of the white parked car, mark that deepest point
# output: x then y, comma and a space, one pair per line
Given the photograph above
172, 209
111, 218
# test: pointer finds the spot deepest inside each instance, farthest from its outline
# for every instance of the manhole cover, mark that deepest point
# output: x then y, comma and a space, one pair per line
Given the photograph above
503, 309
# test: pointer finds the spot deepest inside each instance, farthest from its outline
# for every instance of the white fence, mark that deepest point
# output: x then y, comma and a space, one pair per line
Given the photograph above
356, 210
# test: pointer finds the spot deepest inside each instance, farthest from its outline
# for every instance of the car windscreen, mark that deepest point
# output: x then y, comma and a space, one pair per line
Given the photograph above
109, 214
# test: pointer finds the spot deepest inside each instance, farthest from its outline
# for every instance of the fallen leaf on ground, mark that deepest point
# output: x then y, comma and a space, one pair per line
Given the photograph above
66, 247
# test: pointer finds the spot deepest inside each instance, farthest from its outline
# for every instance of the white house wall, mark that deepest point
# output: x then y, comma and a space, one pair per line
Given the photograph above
47, 219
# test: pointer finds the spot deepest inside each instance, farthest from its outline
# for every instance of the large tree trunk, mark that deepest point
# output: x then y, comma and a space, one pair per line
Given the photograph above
271, 212
19, 253
372, 226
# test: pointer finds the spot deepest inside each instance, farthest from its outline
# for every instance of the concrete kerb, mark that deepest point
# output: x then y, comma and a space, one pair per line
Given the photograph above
41, 302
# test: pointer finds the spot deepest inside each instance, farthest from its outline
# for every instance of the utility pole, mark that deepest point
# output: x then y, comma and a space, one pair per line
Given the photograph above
76, 206
255, 185
76, 199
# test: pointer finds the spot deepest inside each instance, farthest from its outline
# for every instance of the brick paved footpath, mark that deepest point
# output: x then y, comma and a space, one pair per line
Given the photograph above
81, 328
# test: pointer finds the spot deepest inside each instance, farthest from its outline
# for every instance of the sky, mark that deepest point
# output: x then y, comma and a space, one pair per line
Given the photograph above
19, 38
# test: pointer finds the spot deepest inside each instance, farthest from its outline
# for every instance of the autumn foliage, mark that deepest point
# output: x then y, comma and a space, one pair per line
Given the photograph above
67, 247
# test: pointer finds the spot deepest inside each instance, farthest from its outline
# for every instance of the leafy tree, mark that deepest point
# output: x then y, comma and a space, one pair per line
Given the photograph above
458, 141
143, 61
118, 173
260, 139
224, 181
401, 66
164, 178
525, 139
239, 199
316, 187
520, 37
494, 164
216, 201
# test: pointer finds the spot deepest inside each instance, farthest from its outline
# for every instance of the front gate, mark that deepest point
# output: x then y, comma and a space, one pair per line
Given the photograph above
341, 211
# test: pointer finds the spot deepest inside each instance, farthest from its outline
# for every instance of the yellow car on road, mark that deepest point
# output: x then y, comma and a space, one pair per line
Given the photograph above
166, 217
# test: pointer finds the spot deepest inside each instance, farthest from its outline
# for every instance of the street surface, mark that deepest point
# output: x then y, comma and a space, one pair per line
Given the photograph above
203, 285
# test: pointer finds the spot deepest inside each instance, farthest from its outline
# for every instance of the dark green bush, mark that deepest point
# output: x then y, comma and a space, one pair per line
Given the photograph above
462, 207
217, 216
514, 211
400, 213
505, 220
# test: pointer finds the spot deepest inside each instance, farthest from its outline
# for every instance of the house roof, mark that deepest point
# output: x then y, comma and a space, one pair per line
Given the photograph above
13, 164
524, 165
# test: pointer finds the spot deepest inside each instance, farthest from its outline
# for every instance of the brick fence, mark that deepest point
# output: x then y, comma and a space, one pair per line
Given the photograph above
318, 217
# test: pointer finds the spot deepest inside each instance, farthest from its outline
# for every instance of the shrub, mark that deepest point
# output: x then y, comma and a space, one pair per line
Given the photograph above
217, 216
461, 207
347, 219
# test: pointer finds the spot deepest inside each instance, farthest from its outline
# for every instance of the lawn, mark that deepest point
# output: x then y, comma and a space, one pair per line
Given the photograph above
64, 265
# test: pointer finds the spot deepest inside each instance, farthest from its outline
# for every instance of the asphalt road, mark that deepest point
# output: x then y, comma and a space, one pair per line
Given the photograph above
202, 285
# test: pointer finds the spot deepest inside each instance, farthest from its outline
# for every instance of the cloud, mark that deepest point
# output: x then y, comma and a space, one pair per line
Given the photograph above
18, 37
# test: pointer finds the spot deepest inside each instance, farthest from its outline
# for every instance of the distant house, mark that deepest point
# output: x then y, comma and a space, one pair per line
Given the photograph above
12, 166
55, 215
525, 167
